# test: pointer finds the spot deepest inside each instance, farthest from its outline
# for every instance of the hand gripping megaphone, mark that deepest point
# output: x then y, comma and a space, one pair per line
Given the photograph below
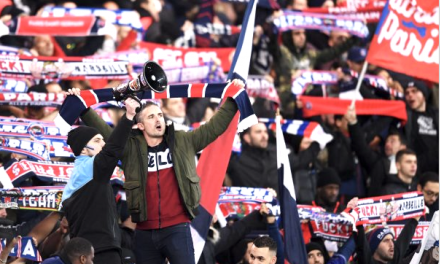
153, 78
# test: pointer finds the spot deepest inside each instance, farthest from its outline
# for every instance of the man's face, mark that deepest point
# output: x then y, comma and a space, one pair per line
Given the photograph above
95, 145
415, 99
175, 107
430, 192
44, 45
152, 122
261, 256
385, 250
299, 38
315, 257
407, 165
392, 145
258, 136
330, 193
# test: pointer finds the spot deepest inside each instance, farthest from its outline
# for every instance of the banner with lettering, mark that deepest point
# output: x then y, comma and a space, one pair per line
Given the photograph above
121, 17
44, 198
260, 86
49, 171
33, 99
395, 207
31, 129
68, 68
368, 14
237, 202
55, 26
32, 149
291, 20
172, 57
301, 83
361, 4
13, 86
341, 232
25, 248
407, 40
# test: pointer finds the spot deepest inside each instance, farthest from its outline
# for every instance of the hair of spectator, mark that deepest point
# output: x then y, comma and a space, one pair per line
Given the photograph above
265, 241
395, 132
402, 152
428, 177
143, 107
77, 247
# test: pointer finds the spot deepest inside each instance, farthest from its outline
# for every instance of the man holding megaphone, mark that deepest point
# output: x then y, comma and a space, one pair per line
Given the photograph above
162, 185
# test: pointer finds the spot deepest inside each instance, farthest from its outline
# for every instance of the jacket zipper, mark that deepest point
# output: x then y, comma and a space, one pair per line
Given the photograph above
158, 183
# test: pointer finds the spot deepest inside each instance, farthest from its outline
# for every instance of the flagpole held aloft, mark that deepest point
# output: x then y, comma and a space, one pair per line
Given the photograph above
359, 82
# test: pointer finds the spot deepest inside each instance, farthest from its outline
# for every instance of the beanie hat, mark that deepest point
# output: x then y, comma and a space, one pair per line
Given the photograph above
376, 236
421, 86
77, 138
314, 246
328, 176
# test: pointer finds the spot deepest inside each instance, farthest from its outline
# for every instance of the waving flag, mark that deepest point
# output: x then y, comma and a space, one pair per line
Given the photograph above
212, 176
402, 38
294, 247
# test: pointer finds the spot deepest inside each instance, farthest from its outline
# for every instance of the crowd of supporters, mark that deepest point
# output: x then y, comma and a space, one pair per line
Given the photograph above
369, 155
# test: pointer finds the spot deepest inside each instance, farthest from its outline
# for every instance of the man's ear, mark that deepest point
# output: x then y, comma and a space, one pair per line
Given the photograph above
141, 126
82, 259
247, 138
419, 187
273, 260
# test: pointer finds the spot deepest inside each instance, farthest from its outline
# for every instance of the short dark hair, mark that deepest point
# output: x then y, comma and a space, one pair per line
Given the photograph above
143, 107
395, 132
428, 177
402, 152
265, 241
77, 247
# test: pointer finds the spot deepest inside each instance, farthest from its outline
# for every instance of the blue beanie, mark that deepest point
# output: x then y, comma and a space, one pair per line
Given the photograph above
376, 236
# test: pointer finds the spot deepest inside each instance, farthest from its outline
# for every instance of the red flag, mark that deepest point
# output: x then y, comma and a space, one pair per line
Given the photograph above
313, 106
406, 40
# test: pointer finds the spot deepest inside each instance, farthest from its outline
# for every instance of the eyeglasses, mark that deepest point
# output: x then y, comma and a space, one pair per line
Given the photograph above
431, 194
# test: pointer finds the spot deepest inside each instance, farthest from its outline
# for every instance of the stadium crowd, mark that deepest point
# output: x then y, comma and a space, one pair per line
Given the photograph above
367, 155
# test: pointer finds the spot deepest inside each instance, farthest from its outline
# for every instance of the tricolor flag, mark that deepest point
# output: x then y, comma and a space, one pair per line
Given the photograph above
294, 247
220, 150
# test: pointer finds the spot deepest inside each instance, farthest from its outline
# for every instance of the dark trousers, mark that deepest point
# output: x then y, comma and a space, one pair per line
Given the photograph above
111, 256
173, 243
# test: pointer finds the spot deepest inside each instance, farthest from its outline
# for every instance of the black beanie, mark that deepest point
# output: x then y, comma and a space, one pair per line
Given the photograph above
314, 246
328, 176
77, 138
419, 85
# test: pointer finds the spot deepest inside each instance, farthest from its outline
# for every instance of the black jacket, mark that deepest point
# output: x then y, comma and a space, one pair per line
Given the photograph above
365, 256
395, 185
255, 167
91, 210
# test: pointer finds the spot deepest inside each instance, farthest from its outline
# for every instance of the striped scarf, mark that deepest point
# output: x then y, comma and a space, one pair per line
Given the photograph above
74, 105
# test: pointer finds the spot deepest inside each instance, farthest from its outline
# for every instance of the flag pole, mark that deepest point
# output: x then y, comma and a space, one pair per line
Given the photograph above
359, 82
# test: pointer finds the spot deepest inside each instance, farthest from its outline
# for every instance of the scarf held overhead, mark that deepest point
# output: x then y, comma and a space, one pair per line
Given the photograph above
316, 106
74, 105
